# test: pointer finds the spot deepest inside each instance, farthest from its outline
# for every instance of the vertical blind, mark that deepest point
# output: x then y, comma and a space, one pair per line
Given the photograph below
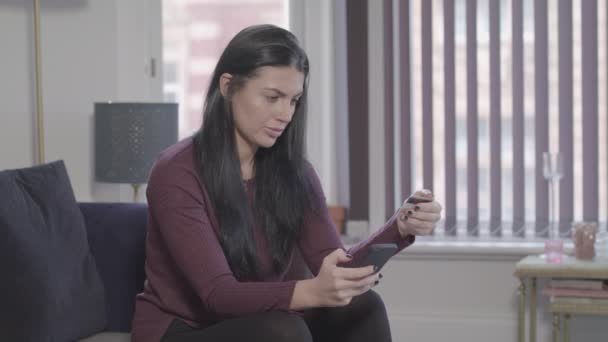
487, 86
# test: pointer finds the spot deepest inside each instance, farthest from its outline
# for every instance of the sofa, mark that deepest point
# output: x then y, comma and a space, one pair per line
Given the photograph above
116, 235
71, 271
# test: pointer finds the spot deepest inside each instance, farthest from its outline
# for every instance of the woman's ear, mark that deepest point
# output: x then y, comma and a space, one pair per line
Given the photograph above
225, 79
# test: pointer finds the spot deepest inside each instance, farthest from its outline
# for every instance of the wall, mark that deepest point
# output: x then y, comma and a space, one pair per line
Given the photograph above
16, 85
465, 295
91, 51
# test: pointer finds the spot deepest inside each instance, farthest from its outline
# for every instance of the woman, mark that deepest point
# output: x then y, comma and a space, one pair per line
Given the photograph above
229, 206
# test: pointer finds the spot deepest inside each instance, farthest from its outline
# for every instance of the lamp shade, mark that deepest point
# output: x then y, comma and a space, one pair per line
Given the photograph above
129, 137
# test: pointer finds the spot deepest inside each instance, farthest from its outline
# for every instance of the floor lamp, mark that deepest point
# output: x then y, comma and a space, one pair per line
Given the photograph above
39, 117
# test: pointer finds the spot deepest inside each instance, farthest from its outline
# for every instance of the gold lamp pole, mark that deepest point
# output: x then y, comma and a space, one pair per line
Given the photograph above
40, 123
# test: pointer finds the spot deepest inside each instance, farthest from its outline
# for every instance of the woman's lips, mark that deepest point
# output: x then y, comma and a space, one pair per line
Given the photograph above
274, 132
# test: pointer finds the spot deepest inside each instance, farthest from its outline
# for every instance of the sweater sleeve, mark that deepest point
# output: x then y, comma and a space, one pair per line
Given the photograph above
320, 238
177, 205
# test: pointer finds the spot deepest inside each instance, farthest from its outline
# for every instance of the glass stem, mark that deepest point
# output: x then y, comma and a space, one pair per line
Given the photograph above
553, 210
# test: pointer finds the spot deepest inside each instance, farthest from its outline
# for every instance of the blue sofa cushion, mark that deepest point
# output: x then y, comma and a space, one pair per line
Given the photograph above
50, 288
117, 236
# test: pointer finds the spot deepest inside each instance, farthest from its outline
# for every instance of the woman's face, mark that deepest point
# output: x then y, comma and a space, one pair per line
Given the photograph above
265, 104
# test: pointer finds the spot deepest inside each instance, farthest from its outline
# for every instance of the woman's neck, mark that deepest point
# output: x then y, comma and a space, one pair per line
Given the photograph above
246, 152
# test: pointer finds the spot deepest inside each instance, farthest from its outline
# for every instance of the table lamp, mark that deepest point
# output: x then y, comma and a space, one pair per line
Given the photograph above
129, 137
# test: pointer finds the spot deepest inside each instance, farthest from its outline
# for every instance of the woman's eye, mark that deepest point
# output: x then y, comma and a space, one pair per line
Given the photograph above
272, 98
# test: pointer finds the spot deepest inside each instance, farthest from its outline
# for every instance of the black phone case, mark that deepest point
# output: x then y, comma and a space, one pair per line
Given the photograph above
416, 199
378, 255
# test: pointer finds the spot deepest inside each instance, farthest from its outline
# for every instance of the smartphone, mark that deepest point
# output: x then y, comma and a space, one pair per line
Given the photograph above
378, 254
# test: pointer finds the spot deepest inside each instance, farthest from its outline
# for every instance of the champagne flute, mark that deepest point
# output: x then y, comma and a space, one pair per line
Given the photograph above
553, 171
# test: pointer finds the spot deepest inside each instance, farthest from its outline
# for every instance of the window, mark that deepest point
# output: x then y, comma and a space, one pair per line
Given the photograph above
195, 33
585, 22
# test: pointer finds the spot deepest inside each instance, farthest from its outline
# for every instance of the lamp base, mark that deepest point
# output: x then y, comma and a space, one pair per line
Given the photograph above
135, 192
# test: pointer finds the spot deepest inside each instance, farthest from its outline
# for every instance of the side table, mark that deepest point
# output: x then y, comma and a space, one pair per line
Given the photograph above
533, 267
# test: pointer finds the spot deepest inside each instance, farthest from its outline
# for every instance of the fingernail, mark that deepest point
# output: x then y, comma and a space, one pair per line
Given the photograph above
380, 276
416, 208
376, 283
349, 256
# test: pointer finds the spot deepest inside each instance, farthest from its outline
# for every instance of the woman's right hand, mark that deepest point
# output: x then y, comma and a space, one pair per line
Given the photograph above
336, 286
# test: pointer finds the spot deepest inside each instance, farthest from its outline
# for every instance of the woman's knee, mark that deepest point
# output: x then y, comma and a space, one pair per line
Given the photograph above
364, 306
283, 326
363, 319
369, 301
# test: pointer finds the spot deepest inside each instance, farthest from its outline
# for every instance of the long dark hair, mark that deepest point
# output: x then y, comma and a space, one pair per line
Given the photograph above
282, 186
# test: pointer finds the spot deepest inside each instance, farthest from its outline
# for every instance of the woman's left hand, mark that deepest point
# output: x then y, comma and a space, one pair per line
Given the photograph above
419, 218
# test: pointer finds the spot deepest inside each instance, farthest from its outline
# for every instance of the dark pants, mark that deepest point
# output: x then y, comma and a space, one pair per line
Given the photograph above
363, 320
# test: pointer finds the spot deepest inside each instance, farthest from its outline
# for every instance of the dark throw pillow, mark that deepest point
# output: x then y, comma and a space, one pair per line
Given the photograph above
50, 289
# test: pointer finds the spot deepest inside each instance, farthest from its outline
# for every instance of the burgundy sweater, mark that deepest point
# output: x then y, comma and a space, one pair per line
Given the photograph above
188, 276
